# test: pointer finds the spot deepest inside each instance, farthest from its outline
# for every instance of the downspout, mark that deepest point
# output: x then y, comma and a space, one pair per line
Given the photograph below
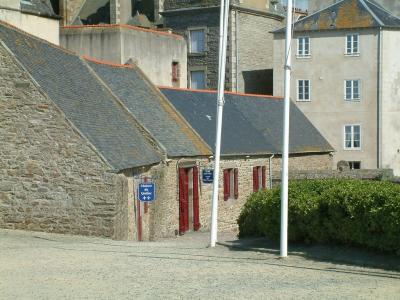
237, 48
379, 96
270, 170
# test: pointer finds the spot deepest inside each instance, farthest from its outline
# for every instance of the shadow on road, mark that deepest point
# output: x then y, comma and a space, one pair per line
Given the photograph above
333, 254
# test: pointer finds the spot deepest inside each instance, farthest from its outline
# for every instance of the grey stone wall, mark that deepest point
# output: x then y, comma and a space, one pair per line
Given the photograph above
208, 19
50, 178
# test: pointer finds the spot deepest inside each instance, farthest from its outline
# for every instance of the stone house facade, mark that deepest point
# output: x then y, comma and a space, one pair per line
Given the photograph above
250, 42
77, 142
345, 79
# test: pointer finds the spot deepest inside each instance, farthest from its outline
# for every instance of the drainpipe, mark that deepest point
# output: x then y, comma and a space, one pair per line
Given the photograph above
270, 170
379, 96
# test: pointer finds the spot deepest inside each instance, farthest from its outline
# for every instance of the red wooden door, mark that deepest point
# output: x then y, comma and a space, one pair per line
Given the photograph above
183, 201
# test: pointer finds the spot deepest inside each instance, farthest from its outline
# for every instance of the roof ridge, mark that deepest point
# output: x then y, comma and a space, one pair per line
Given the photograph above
382, 8
12, 27
372, 13
106, 62
123, 26
226, 92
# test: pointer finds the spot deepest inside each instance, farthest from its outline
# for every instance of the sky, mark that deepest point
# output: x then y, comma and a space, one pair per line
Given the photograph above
303, 4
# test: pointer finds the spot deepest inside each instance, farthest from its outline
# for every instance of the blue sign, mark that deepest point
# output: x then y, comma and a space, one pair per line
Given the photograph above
147, 192
208, 175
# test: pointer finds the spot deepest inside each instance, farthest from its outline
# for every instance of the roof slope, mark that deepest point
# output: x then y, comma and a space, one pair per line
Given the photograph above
251, 124
150, 108
84, 100
347, 14
39, 7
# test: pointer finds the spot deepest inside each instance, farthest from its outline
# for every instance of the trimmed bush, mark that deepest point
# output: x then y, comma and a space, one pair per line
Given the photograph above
337, 211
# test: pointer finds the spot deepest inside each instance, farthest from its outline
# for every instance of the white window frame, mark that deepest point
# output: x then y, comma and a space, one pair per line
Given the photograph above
352, 98
189, 30
352, 53
352, 148
301, 50
298, 91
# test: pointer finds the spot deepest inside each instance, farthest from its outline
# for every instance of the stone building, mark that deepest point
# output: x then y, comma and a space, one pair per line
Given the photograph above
79, 136
34, 16
346, 80
250, 42
106, 30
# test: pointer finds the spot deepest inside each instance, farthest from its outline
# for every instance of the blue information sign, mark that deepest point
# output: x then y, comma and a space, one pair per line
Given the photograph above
208, 176
147, 192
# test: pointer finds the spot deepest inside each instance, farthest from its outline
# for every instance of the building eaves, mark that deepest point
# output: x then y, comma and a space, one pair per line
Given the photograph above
42, 8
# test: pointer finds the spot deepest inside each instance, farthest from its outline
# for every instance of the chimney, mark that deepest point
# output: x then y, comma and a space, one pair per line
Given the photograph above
120, 11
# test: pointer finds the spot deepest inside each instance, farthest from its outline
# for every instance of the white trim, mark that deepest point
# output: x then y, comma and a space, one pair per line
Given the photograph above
309, 91
352, 99
298, 54
352, 137
352, 41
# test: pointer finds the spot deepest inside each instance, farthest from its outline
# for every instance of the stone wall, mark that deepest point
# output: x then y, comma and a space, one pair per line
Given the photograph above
162, 219
50, 178
69, 10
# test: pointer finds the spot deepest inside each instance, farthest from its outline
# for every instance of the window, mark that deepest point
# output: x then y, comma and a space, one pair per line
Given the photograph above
354, 165
197, 40
175, 71
352, 44
231, 186
198, 80
259, 178
303, 46
352, 89
352, 137
303, 87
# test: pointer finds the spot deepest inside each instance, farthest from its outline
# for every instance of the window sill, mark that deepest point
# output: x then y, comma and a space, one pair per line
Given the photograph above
352, 149
303, 56
309, 100
358, 100
197, 53
352, 54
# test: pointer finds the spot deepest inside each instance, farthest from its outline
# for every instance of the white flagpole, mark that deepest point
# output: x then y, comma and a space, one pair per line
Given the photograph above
223, 33
286, 118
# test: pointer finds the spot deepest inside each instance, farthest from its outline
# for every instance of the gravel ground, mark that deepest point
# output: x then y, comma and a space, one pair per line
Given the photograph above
50, 266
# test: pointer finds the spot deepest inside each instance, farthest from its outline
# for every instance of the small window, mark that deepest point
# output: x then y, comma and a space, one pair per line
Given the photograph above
303, 46
175, 71
355, 165
231, 186
352, 137
259, 178
352, 90
198, 80
197, 41
352, 44
304, 87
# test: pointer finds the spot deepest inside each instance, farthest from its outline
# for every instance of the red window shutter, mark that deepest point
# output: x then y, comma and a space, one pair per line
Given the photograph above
236, 181
196, 210
182, 200
264, 177
255, 179
226, 185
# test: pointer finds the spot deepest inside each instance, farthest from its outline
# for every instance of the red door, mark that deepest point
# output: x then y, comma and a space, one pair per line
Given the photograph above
183, 201
184, 219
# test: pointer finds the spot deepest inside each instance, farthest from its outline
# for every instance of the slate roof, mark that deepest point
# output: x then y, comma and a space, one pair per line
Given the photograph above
152, 110
251, 124
84, 100
38, 7
347, 14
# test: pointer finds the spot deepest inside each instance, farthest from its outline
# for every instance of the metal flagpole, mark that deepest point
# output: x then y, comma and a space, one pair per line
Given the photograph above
223, 34
286, 118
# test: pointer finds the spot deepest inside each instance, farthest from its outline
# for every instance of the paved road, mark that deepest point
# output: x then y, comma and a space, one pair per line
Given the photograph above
49, 266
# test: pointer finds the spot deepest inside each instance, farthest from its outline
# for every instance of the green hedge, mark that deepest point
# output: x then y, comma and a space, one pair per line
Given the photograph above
337, 211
